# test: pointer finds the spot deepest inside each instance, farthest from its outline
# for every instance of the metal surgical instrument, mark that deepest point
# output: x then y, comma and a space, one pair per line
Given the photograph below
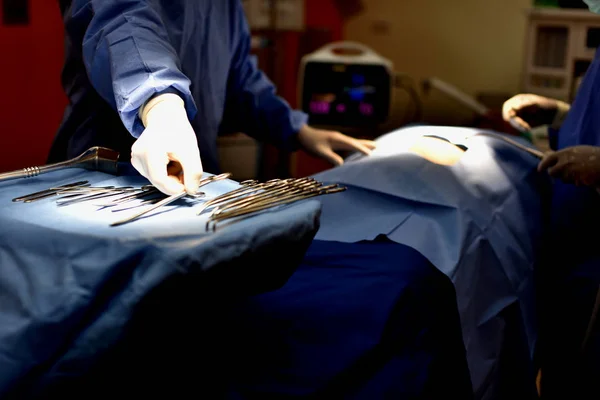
95, 159
247, 188
48, 192
140, 204
536, 153
269, 199
249, 211
146, 190
98, 194
254, 197
269, 189
170, 200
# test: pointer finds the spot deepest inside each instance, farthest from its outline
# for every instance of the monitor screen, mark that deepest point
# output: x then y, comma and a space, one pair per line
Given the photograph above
346, 95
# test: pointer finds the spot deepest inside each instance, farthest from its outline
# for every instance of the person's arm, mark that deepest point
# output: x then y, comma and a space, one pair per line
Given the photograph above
253, 106
129, 58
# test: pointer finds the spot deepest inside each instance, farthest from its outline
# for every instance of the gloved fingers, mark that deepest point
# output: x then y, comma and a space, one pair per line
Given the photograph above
512, 106
156, 167
192, 169
549, 160
585, 180
138, 165
343, 142
559, 169
169, 185
175, 169
520, 123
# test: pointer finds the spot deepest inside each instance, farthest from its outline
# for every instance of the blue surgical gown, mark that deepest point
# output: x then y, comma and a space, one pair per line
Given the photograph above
571, 275
120, 53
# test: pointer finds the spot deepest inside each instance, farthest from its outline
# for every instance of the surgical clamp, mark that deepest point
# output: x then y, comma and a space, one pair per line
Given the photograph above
270, 199
270, 190
170, 200
248, 212
247, 188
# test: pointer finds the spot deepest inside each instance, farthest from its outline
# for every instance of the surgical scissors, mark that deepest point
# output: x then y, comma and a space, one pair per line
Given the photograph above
169, 200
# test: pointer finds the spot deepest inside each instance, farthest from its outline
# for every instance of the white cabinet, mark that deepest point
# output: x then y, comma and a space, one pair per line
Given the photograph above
560, 45
289, 14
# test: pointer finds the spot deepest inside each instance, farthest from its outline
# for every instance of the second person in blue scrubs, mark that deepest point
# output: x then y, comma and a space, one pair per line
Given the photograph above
159, 79
569, 345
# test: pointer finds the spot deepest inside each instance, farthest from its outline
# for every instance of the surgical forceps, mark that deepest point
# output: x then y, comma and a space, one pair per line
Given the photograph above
145, 191
49, 192
170, 199
140, 204
93, 195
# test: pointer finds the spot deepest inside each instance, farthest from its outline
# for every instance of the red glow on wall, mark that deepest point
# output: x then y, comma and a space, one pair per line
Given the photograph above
32, 101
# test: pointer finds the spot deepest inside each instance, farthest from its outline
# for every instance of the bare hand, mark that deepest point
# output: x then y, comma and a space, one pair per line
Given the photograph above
323, 143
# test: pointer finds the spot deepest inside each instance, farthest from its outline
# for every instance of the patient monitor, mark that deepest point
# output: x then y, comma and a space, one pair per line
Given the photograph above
346, 85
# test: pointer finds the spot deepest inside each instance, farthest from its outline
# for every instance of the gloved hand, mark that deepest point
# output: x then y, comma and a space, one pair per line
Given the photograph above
578, 164
167, 152
530, 110
322, 143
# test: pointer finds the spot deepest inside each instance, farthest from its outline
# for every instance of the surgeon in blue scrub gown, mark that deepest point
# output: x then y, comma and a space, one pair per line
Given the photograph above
570, 280
159, 80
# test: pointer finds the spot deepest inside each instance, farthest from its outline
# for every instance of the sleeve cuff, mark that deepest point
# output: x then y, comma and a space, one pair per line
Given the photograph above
297, 120
132, 117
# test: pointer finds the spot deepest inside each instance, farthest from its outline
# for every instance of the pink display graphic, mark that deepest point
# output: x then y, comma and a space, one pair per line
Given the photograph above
366, 109
319, 107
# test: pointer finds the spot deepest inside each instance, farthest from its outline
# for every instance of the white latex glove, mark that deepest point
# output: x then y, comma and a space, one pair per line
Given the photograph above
528, 111
322, 143
167, 152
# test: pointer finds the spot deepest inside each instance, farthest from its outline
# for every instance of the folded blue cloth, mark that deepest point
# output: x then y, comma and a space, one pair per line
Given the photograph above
369, 320
69, 283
